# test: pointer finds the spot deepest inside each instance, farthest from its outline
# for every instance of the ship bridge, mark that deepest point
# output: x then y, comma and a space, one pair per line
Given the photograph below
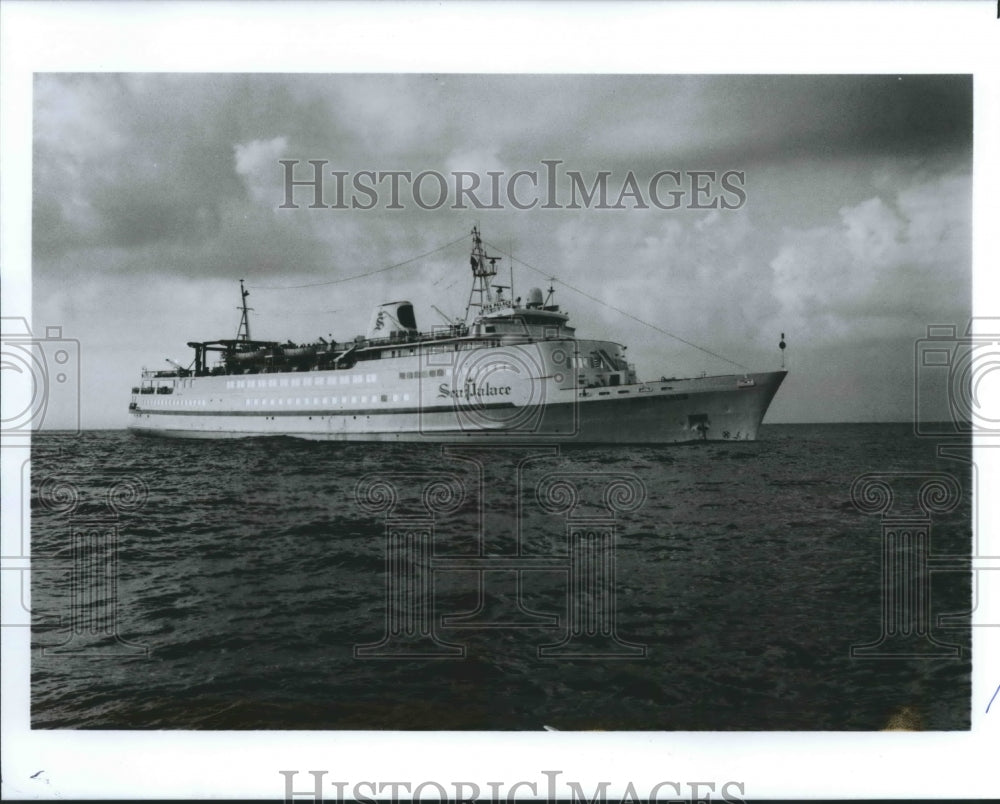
537, 318
519, 321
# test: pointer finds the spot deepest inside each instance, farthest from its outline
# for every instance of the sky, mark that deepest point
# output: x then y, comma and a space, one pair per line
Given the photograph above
154, 194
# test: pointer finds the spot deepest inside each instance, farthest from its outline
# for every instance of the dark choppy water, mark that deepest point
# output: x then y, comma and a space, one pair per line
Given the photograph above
248, 572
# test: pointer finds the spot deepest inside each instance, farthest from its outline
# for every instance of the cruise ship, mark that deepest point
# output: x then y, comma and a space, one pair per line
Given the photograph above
508, 371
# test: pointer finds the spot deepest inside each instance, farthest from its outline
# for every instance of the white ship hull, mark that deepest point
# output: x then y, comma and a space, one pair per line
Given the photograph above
518, 372
722, 408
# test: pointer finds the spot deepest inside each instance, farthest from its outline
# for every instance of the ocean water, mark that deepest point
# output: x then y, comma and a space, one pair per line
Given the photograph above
232, 584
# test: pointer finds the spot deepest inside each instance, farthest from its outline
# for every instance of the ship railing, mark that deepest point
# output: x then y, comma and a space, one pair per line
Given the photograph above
417, 337
153, 374
277, 363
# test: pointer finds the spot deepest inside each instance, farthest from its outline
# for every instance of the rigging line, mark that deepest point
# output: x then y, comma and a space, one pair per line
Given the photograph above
625, 313
360, 276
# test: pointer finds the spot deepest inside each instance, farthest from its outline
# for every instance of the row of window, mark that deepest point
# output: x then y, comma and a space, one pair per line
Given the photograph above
412, 375
290, 402
174, 403
296, 382
341, 379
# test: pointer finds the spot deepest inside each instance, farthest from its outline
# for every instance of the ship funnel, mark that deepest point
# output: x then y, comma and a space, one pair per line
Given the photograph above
392, 320
535, 298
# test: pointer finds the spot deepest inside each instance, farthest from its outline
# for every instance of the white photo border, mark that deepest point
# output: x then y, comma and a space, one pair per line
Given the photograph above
592, 37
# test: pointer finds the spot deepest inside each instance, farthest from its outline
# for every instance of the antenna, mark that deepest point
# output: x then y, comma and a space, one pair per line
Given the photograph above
450, 321
552, 290
484, 268
510, 249
243, 333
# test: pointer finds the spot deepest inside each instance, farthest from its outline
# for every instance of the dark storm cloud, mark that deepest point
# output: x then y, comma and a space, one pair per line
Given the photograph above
918, 113
702, 120
140, 161
867, 115
140, 216
178, 175
131, 160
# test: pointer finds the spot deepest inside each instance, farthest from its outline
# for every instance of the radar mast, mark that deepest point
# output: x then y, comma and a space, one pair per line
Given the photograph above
243, 333
484, 268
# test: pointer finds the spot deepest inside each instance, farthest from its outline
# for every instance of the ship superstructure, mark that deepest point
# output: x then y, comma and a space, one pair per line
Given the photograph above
510, 370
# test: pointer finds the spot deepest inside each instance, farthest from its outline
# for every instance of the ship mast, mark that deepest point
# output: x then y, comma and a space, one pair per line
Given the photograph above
243, 333
484, 268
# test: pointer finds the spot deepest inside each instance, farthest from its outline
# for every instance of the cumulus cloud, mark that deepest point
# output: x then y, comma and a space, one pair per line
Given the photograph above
886, 268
